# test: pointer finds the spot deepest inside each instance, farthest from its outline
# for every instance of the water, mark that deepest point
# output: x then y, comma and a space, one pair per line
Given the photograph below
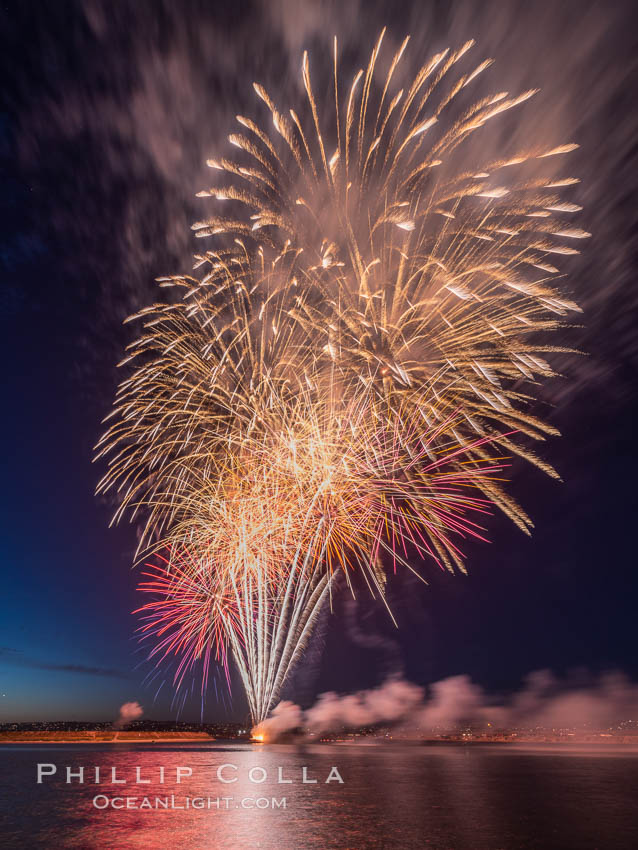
392, 796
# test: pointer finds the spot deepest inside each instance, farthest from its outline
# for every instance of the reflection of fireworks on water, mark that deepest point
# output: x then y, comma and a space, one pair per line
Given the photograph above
342, 380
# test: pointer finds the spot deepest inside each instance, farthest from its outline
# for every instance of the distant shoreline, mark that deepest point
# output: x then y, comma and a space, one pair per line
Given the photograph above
109, 741
102, 737
132, 737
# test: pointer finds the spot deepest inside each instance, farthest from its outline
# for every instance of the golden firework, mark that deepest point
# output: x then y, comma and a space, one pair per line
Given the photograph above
362, 345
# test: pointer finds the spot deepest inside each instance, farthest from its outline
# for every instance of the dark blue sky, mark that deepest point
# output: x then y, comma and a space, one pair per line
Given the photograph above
105, 124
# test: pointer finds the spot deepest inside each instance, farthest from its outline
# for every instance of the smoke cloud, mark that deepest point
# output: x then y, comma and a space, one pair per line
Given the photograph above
388, 704
129, 712
456, 702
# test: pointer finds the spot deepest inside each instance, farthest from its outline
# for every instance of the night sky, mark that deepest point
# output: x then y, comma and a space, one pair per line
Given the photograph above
109, 111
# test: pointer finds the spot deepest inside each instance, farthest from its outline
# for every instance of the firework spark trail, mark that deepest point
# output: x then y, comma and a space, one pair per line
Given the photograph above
189, 615
416, 260
343, 380
274, 630
270, 542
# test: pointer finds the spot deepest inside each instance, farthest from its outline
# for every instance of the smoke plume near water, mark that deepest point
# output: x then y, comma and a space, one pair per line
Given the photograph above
129, 712
446, 706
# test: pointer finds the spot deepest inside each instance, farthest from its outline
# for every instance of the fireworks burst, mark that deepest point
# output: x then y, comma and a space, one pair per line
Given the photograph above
340, 385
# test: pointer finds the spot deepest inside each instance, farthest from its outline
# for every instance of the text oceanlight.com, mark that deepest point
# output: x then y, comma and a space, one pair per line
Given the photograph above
103, 801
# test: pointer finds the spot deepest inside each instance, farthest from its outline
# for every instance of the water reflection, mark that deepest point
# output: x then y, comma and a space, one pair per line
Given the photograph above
466, 798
